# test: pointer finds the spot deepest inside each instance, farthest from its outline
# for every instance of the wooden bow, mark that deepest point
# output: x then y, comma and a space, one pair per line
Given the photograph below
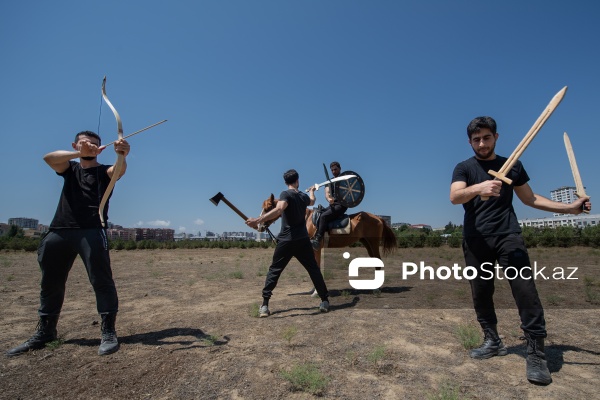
120, 158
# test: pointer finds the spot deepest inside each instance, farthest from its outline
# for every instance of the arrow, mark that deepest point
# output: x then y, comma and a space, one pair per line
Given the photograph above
134, 133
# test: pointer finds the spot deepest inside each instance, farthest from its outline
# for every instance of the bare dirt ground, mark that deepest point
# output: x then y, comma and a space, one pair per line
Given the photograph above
187, 331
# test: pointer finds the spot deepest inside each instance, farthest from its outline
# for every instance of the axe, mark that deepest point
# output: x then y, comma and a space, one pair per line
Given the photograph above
220, 196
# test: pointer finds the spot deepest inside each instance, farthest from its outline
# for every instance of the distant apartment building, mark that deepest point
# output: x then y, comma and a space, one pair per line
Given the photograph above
43, 228
577, 221
25, 223
212, 236
238, 236
399, 225
262, 237
421, 226
387, 219
125, 234
158, 234
565, 194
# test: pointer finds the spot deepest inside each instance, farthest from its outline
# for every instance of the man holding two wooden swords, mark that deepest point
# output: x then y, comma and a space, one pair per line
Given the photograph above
492, 234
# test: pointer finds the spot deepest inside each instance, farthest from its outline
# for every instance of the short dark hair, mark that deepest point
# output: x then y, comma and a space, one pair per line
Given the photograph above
290, 176
481, 123
90, 134
335, 164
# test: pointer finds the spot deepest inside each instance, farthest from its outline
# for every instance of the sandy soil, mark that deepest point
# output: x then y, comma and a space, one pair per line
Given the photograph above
187, 331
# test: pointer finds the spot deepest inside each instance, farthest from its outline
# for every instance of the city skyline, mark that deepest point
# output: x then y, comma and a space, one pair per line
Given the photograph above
563, 193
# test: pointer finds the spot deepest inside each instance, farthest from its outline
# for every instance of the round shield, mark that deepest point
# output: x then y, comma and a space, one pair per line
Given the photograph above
350, 192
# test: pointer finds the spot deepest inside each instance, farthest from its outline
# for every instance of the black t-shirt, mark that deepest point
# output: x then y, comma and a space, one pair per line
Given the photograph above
80, 198
293, 225
496, 216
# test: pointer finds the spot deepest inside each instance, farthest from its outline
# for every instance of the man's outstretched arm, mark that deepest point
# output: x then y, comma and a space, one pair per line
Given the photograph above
526, 195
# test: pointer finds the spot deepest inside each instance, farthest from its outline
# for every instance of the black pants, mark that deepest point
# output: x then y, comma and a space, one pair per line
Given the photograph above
508, 251
56, 255
303, 251
330, 214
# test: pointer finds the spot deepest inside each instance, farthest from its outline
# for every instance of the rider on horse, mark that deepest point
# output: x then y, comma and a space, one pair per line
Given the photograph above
331, 213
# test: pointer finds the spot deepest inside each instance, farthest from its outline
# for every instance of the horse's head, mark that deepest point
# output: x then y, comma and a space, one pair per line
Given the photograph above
267, 206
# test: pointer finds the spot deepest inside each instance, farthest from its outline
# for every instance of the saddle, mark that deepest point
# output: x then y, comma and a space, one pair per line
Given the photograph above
339, 226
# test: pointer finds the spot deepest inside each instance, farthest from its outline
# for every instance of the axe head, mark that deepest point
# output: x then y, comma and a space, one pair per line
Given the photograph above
217, 198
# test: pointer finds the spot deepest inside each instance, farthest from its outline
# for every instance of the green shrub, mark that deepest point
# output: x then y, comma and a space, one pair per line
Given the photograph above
530, 236
455, 239
377, 354
590, 236
468, 335
447, 390
253, 310
306, 377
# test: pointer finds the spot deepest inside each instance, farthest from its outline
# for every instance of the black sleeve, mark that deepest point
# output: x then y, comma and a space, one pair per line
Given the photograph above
460, 173
284, 196
522, 177
68, 170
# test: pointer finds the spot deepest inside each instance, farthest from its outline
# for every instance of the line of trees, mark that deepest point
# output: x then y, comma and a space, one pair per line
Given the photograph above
188, 244
16, 240
563, 236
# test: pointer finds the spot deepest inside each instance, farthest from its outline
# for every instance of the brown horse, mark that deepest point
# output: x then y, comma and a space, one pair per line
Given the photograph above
366, 228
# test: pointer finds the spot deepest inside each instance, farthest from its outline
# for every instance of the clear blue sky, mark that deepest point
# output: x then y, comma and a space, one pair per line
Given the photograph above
253, 88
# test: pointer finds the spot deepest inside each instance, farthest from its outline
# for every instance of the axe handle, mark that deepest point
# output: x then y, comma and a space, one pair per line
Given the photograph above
244, 217
234, 208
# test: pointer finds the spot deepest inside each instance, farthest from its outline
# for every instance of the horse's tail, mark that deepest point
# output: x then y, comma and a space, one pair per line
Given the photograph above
390, 243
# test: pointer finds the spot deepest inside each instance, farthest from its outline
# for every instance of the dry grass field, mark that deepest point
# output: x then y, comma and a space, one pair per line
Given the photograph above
188, 330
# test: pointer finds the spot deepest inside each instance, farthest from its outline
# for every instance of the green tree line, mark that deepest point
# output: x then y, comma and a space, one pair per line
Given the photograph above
562, 236
407, 237
15, 239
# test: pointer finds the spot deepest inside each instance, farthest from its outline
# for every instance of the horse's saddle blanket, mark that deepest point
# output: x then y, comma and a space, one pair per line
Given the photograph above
340, 226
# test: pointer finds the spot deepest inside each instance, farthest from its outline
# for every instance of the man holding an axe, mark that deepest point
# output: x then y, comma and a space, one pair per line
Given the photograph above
292, 241
492, 236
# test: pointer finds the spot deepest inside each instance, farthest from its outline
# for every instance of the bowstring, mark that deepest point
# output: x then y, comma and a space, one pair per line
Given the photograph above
97, 178
99, 114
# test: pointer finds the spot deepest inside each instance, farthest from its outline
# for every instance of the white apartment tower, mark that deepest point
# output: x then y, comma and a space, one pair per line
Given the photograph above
25, 223
565, 194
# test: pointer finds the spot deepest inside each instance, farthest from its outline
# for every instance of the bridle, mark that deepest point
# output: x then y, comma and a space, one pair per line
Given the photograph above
264, 225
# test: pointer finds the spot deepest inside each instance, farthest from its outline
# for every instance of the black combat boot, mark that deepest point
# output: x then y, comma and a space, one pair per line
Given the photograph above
109, 343
45, 332
537, 367
316, 242
492, 345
